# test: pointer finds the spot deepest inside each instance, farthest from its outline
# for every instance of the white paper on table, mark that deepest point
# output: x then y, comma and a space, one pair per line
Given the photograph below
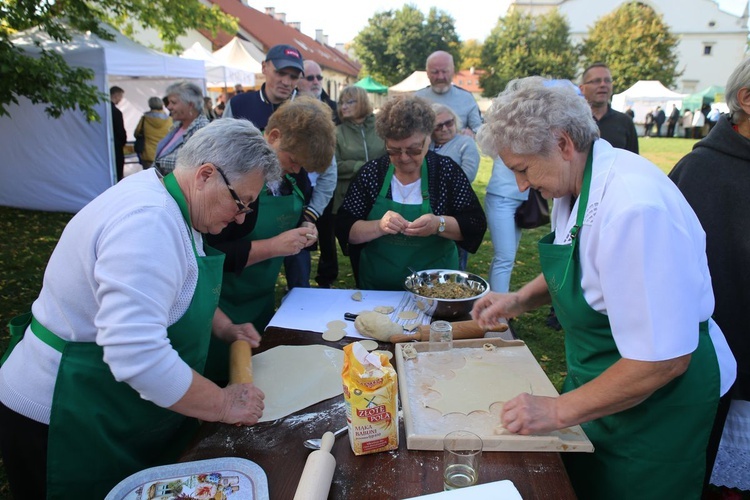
313, 308
499, 490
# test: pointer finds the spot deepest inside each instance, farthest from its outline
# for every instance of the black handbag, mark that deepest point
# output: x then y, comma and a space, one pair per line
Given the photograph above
140, 144
533, 212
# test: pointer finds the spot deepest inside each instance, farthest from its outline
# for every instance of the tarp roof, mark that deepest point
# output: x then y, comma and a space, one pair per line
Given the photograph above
241, 54
219, 74
369, 84
645, 96
412, 83
68, 161
705, 96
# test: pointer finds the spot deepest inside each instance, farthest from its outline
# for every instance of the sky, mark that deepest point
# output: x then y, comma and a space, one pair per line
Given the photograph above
341, 20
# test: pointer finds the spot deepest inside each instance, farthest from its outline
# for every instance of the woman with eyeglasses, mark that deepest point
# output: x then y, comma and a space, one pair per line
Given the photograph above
409, 207
302, 133
460, 148
185, 104
105, 378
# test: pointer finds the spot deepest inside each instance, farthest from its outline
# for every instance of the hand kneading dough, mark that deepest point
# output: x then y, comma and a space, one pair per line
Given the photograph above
376, 325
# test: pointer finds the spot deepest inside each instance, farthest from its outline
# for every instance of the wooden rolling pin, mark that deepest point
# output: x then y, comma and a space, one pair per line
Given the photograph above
461, 330
240, 362
317, 475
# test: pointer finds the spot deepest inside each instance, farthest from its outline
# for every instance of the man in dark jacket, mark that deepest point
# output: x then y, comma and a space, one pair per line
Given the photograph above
615, 127
118, 131
674, 117
659, 119
282, 68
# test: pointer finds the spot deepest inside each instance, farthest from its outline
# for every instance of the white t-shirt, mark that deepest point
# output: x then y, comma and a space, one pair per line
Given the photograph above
643, 260
123, 271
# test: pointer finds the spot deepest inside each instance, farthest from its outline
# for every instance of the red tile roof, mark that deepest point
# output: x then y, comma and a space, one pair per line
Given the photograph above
468, 81
269, 31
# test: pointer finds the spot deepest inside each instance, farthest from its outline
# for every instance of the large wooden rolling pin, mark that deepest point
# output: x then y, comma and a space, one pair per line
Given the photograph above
469, 329
240, 362
317, 475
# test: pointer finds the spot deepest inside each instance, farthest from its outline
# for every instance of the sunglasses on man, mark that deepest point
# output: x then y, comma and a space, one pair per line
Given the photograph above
311, 78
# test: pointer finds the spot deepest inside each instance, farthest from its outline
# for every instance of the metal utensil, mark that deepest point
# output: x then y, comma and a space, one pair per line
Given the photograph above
421, 278
314, 444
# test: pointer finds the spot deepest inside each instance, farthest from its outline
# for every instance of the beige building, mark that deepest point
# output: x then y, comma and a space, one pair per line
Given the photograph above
712, 42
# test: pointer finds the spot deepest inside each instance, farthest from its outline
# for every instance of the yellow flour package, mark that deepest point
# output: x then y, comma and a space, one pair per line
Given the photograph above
371, 397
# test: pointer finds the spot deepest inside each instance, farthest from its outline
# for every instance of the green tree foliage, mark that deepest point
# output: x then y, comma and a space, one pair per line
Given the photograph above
523, 45
471, 54
394, 44
47, 78
636, 44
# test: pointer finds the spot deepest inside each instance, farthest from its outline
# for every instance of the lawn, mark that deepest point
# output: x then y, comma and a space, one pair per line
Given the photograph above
31, 236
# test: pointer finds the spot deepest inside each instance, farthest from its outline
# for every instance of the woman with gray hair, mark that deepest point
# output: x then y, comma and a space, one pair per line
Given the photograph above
153, 126
186, 108
462, 149
407, 208
715, 179
104, 378
625, 268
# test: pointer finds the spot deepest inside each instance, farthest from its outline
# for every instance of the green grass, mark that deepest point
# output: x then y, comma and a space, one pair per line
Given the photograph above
30, 237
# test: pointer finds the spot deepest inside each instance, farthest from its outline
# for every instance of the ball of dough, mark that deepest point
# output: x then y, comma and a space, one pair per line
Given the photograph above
376, 325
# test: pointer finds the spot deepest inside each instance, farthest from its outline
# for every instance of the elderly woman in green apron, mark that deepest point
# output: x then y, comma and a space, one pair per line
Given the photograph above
302, 133
409, 207
103, 381
625, 268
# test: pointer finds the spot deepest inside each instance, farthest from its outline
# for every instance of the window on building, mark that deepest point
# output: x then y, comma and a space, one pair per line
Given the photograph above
707, 48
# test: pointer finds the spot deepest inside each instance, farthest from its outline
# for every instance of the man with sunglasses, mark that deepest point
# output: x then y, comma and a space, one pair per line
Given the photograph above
298, 267
616, 128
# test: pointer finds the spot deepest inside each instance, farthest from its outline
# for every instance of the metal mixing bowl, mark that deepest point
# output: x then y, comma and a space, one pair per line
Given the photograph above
447, 309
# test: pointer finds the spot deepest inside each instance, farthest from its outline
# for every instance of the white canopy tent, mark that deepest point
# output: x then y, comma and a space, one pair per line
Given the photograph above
62, 164
416, 81
219, 74
645, 96
241, 54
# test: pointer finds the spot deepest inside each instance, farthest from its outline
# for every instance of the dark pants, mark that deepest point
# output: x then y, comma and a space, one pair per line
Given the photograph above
297, 269
23, 443
670, 129
688, 132
328, 263
119, 163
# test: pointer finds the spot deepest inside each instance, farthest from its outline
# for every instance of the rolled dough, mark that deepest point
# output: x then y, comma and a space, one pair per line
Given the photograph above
295, 377
477, 386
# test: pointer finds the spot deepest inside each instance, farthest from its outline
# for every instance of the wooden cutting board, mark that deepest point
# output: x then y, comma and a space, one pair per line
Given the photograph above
510, 369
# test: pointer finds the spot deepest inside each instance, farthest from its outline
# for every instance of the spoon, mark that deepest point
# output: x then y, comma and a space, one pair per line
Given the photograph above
314, 444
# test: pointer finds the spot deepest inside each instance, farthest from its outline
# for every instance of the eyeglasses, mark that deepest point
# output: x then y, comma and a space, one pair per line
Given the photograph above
408, 151
598, 81
241, 207
446, 124
311, 78
348, 103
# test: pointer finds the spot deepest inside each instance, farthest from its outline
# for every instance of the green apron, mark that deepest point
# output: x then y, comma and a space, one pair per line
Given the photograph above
383, 262
249, 297
656, 449
101, 430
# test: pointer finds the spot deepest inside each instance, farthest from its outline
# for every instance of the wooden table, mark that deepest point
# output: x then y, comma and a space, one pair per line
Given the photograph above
277, 448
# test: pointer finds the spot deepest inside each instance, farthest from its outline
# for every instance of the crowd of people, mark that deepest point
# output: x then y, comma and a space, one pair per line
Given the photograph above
126, 346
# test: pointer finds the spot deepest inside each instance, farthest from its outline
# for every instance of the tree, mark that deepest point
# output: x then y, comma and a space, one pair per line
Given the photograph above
48, 79
471, 54
636, 44
523, 45
394, 44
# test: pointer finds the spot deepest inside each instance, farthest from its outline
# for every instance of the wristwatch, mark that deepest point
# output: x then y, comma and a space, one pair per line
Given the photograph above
441, 227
